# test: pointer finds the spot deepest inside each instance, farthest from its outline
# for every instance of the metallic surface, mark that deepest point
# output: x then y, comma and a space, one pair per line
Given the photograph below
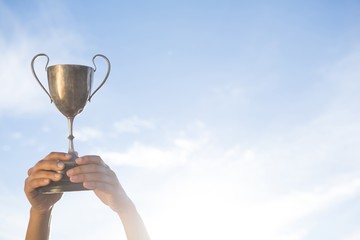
64, 185
69, 88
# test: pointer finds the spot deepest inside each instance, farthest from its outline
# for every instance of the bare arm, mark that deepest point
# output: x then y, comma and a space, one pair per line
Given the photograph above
41, 204
96, 175
39, 225
133, 224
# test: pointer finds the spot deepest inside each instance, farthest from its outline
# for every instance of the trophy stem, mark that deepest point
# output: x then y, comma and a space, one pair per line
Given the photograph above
71, 136
65, 185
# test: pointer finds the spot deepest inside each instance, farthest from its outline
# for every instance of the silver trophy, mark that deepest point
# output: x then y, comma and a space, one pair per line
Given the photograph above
70, 89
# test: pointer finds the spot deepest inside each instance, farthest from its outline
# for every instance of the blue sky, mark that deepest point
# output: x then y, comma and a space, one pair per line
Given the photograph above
222, 119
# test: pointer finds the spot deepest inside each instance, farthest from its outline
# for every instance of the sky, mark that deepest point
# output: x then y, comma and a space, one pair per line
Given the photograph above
222, 119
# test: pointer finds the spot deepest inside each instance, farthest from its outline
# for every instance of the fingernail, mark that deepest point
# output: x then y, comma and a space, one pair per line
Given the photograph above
69, 172
67, 155
60, 165
58, 175
74, 178
89, 185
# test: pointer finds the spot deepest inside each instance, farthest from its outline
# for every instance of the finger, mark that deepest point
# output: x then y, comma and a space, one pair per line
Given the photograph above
90, 159
98, 185
31, 184
91, 177
49, 165
51, 175
58, 156
88, 168
51, 162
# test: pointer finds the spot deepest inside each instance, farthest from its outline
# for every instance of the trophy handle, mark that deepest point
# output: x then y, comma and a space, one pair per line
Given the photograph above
33, 71
106, 76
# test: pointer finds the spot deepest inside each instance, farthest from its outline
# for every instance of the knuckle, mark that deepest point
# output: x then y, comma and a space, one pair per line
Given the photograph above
29, 172
36, 167
50, 154
42, 161
26, 182
96, 159
53, 155
112, 173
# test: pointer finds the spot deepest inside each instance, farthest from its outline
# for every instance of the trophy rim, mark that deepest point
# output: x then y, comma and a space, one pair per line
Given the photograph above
66, 65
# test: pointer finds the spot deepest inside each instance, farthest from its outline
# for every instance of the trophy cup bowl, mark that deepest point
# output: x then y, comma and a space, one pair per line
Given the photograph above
69, 88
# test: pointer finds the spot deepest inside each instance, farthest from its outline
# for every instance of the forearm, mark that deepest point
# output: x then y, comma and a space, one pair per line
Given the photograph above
39, 225
133, 224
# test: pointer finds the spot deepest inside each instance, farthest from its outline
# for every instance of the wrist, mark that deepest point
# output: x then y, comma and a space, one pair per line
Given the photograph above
40, 212
126, 207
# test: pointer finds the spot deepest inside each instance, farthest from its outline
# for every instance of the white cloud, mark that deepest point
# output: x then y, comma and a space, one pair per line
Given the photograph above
231, 192
87, 133
141, 155
343, 76
133, 125
19, 42
353, 236
18, 92
14, 219
226, 202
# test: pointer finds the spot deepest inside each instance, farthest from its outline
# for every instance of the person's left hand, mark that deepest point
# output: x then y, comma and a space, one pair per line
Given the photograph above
96, 175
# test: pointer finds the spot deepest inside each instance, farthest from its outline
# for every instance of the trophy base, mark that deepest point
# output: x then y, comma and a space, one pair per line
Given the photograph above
60, 187
64, 185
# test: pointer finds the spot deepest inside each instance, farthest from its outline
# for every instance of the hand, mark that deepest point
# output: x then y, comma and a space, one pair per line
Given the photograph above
40, 175
96, 175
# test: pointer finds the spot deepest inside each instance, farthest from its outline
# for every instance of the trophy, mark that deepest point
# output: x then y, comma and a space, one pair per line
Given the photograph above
70, 89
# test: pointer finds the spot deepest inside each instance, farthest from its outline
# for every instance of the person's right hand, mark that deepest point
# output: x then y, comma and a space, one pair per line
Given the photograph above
40, 175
